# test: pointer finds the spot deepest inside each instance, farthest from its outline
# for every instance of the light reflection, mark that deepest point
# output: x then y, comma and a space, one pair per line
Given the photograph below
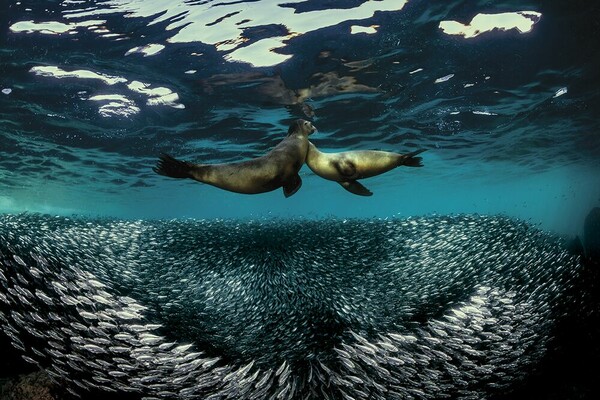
148, 50
264, 47
225, 24
354, 29
483, 113
56, 72
522, 21
156, 96
116, 105
53, 27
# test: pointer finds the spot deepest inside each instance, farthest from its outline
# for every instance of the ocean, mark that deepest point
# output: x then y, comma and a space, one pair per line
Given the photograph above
504, 98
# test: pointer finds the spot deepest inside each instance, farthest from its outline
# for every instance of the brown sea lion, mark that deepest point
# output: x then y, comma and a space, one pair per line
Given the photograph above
348, 166
278, 168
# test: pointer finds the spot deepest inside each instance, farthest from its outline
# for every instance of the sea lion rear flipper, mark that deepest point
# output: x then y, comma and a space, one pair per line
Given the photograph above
173, 168
409, 160
356, 188
292, 186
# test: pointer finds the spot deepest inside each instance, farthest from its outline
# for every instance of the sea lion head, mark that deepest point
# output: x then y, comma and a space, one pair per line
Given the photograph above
302, 126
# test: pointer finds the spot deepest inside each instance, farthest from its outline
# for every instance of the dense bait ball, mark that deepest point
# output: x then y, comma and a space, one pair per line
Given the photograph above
431, 307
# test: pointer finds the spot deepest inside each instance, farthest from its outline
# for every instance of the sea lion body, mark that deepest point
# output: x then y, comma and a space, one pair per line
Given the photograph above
278, 168
348, 166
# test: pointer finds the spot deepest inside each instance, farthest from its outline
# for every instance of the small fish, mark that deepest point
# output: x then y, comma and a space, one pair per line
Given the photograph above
30, 360
107, 325
73, 392
127, 315
59, 287
19, 260
101, 299
88, 315
119, 349
181, 349
94, 348
149, 339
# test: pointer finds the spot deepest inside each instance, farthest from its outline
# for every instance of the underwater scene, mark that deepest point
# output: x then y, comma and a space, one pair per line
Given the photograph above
299, 199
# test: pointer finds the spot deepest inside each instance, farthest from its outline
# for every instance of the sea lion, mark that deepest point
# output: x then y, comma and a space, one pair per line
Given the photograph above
348, 166
278, 168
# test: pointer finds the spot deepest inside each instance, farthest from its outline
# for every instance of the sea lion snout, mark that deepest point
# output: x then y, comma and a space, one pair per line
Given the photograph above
303, 126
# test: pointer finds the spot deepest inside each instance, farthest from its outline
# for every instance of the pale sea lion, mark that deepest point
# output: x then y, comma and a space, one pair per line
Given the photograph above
348, 166
278, 168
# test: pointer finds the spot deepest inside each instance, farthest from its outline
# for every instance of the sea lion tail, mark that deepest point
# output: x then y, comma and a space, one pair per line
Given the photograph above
173, 168
409, 160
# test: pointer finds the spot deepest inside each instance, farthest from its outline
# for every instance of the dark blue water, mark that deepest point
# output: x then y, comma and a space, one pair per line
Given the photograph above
504, 96
93, 91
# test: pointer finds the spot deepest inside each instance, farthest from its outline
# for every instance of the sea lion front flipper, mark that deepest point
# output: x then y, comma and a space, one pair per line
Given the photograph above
292, 186
356, 188
346, 168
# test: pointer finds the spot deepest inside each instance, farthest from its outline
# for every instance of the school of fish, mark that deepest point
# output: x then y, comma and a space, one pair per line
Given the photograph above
429, 307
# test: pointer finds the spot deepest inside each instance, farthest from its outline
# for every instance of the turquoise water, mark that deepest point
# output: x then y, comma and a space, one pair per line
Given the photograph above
94, 91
